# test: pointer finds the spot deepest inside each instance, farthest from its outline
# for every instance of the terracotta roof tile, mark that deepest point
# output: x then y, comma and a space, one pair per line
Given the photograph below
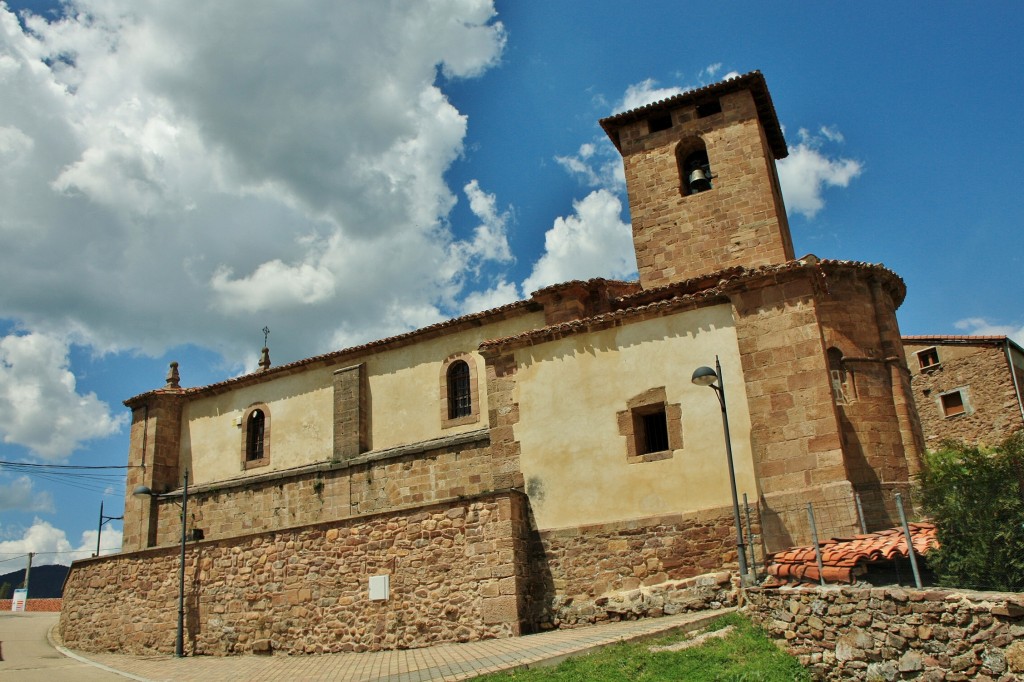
754, 81
465, 321
956, 338
843, 559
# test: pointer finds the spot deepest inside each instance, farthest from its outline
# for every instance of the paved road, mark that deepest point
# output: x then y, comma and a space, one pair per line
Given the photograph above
29, 656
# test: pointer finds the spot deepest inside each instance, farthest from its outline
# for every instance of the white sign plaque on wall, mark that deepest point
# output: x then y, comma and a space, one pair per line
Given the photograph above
380, 587
18, 603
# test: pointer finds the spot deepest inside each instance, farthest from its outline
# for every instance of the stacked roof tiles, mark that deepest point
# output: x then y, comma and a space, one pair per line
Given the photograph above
845, 558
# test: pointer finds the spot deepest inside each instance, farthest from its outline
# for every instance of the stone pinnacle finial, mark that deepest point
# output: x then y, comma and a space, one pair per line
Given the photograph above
173, 378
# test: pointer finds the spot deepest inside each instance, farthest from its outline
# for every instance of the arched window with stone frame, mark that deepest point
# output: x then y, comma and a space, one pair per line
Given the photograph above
460, 399
256, 436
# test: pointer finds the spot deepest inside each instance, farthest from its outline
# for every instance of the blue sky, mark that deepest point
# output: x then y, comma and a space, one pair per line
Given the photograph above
178, 175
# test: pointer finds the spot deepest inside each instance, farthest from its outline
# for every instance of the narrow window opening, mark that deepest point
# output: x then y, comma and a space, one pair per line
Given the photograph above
709, 109
460, 401
843, 390
659, 122
254, 436
928, 358
655, 432
953, 404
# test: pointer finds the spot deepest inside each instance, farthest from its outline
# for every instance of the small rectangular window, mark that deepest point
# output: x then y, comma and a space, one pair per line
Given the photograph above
655, 432
953, 403
659, 122
928, 358
709, 109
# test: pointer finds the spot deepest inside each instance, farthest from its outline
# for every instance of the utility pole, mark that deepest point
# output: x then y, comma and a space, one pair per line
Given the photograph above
28, 572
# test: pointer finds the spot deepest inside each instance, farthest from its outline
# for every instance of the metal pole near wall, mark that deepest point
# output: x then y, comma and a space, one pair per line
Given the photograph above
179, 642
817, 547
860, 514
910, 541
705, 376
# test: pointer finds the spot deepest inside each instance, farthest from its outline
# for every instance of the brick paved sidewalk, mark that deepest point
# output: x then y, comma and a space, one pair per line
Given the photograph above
442, 662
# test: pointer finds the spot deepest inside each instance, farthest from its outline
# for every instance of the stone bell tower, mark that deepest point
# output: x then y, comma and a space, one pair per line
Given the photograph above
703, 189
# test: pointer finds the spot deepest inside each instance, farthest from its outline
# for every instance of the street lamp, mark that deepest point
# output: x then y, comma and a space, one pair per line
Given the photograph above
705, 376
144, 491
99, 529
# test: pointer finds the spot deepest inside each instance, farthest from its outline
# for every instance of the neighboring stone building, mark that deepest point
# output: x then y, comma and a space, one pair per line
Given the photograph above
537, 464
966, 387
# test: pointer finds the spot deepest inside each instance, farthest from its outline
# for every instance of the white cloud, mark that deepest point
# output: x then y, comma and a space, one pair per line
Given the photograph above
645, 92
19, 495
501, 293
807, 171
51, 545
40, 407
979, 326
596, 165
490, 239
594, 242
196, 175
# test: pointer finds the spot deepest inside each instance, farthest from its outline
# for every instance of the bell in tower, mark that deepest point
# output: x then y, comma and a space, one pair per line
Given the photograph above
703, 188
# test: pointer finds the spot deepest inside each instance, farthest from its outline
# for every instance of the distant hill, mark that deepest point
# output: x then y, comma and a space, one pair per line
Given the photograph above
46, 582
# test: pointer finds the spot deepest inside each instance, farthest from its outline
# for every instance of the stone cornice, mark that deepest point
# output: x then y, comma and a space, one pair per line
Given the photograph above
712, 289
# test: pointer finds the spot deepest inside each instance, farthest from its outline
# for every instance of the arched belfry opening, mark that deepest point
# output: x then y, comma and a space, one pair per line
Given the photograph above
695, 174
702, 183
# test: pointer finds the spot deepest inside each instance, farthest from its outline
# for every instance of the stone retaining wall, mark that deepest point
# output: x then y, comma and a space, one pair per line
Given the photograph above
454, 570
875, 634
46, 605
376, 482
633, 569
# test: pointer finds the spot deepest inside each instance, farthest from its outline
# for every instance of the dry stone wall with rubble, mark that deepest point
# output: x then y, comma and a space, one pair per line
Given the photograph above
453, 568
881, 634
633, 569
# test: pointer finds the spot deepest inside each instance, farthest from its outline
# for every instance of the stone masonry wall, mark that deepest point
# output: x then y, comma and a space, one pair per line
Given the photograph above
453, 568
619, 571
741, 221
895, 633
980, 369
454, 467
795, 433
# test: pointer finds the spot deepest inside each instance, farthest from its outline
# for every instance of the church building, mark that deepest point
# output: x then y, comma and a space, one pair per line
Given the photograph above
547, 463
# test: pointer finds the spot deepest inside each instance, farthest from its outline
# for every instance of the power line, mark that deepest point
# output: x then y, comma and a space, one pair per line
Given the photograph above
67, 466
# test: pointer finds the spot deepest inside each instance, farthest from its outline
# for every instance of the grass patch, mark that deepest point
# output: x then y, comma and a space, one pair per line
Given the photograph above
745, 655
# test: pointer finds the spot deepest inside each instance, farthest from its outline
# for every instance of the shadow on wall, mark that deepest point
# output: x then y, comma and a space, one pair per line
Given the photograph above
192, 621
539, 611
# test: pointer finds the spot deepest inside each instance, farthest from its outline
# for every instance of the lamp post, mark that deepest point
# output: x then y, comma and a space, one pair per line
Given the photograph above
705, 376
99, 529
143, 491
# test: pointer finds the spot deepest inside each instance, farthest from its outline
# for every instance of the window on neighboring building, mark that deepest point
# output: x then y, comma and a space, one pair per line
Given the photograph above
953, 403
929, 357
256, 437
459, 397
